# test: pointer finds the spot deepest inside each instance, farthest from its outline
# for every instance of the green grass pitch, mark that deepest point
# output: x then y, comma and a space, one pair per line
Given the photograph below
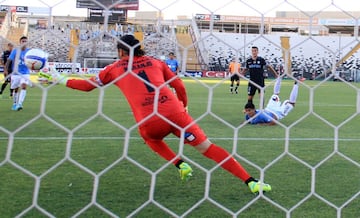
68, 142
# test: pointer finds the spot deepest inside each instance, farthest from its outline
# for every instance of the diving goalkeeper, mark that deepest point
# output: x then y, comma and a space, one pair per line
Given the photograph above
145, 86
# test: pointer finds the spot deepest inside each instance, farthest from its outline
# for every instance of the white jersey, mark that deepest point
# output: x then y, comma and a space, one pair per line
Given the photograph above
280, 110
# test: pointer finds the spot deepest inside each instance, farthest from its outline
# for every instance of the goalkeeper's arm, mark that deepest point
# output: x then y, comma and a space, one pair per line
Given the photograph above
82, 84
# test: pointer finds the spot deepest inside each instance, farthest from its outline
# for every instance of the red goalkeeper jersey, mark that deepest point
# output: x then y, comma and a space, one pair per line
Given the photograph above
145, 85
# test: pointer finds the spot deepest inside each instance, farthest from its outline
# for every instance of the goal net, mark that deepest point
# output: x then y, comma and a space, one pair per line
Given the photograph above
76, 154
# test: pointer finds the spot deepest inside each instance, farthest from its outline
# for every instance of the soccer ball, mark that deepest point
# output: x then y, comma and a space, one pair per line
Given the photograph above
275, 98
35, 59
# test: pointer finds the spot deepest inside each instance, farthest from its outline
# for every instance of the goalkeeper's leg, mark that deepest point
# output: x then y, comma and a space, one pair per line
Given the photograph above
162, 149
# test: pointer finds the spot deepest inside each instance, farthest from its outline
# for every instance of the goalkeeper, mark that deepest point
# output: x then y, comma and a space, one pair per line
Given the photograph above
145, 86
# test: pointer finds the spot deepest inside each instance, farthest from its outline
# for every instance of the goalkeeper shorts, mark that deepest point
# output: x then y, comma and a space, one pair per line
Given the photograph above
157, 129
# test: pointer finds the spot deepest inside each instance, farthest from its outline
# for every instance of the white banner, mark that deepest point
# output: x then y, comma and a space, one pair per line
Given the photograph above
93, 71
69, 68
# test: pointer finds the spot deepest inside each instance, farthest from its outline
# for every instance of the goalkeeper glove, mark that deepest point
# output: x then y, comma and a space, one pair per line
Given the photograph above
54, 76
59, 78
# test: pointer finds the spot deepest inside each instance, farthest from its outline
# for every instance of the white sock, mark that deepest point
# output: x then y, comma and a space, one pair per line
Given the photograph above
22, 96
294, 93
288, 107
277, 85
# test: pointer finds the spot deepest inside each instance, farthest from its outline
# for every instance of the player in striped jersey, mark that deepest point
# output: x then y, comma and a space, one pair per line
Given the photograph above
255, 65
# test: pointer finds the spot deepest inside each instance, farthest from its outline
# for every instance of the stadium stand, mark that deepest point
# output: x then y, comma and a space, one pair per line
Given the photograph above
308, 56
52, 41
158, 45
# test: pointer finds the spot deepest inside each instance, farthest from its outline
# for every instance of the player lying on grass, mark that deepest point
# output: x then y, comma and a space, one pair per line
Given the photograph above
275, 110
144, 82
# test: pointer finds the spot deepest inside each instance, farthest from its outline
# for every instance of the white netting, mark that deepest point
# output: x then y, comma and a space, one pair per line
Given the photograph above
88, 160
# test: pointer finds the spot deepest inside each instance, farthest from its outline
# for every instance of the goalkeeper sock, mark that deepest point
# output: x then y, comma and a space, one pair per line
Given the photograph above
218, 154
177, 164
251, 179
